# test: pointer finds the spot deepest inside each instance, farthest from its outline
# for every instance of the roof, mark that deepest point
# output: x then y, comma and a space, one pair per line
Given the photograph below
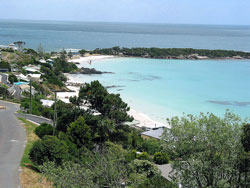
34, 75
42, 61
165, 170
31, 70
154, 133
24, 87
48, 103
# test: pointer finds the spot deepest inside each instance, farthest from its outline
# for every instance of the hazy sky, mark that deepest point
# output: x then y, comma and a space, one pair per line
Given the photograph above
152, 11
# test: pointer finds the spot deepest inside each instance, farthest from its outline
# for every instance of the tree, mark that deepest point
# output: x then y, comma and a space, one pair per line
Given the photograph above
144, 167
205, 150
80, 133
3, 91
161, 158
102, 168
245, 155
82, 52
143, 156
245, 138
12, 78
40, 50
4, 65
44, 129
66, 114
70, 54
50, 148
151, 146
110, 106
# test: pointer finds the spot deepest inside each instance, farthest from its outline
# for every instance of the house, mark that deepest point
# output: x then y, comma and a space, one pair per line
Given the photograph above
42, 61
47, 103
12, 46
26, 88
22, 77
34, 77
155, 133
50, 61
32, 68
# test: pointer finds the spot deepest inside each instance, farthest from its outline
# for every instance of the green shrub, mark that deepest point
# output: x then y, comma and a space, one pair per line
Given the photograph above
131, 155
151, 146
161, 158
144, 167
12, 78
50, 148
44, 129
143, 156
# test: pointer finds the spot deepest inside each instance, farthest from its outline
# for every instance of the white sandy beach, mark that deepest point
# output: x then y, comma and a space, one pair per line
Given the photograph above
143, 119
87, 59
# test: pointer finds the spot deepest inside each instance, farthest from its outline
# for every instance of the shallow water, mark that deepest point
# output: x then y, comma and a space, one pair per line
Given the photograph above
166, 88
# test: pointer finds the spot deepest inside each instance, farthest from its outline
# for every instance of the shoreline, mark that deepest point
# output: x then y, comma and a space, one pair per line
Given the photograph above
143, 119
97, 57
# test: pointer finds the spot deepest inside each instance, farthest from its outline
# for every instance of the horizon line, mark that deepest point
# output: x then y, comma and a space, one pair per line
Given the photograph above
122, 22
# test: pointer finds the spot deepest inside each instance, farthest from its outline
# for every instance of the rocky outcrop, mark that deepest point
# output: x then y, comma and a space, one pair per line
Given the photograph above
91, 71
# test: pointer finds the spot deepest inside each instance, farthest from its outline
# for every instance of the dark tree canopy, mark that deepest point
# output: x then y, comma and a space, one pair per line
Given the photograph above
110, 106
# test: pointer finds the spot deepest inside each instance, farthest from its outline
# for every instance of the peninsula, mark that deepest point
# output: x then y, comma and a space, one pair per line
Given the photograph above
172, 53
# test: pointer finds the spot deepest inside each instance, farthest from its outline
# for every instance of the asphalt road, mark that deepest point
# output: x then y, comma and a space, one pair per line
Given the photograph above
12, 140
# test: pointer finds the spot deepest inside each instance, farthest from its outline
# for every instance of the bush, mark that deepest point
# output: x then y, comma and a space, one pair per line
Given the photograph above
157, 182
44, 129
50, 148
161, 158
12, 78
144, 167
151, 146
143, 156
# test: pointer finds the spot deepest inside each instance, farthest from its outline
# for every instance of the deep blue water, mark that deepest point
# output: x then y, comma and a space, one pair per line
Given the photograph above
89, 35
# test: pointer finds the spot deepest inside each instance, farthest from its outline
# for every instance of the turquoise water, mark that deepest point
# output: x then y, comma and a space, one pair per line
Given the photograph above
55, 35
166, 88
20, 83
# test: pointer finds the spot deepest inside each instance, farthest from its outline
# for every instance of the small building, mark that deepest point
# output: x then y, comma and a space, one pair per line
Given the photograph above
32, 68
26, 88
22, 77
155, 133
50, 61
34, 77
47, 103
42, 61
12, 46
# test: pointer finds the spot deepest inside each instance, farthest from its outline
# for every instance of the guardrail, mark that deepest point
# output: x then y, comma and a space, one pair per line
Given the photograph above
34, 118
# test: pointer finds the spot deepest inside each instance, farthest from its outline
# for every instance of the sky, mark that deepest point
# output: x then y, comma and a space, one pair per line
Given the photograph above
225, 12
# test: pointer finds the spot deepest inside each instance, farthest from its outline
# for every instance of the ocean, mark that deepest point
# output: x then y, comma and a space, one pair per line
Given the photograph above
165, 88
159, 88
55, 35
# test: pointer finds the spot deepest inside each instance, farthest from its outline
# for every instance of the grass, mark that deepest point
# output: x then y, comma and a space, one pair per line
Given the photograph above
30, 177
31, 138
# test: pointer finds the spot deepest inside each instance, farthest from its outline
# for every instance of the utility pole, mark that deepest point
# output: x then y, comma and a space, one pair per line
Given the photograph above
30, 96
55, 114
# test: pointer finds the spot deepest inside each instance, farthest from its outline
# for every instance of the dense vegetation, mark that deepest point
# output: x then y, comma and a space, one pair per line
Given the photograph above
183, 53
94, 148
208, 151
